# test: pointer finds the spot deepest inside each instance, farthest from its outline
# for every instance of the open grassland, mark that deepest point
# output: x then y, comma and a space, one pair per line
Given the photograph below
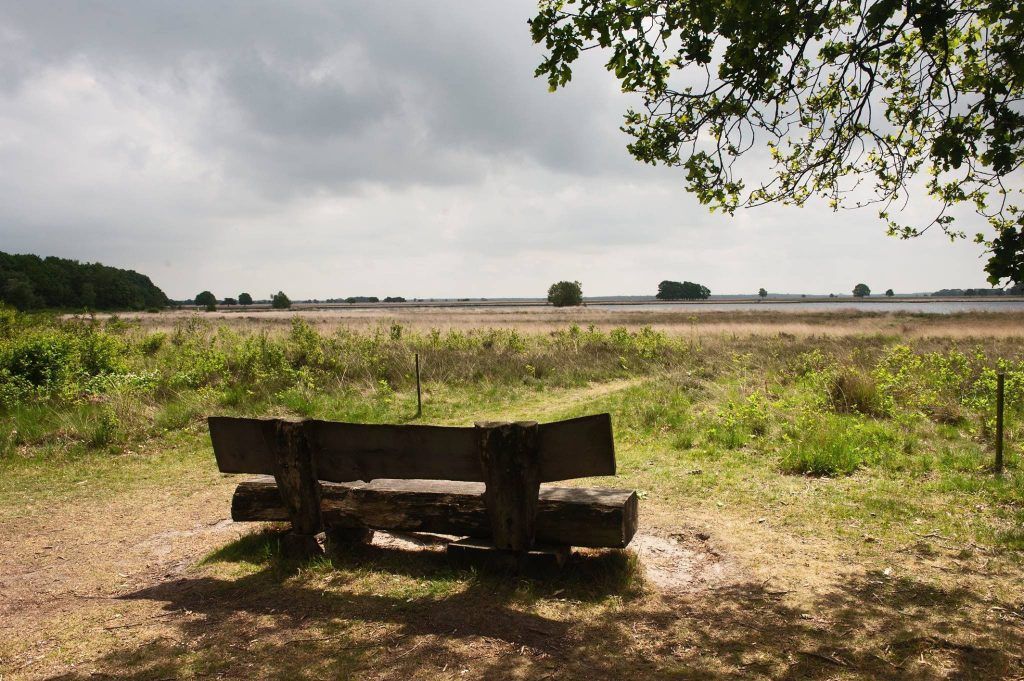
692, 321
816, 498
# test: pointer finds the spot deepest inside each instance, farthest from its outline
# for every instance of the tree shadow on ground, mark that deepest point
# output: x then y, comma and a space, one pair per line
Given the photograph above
293, 620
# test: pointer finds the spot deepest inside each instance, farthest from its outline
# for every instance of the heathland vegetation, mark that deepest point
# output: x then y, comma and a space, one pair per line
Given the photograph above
806, 406
813, 457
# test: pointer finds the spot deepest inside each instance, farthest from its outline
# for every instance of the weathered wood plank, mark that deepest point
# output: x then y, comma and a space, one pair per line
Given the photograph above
592, 517
510, 460
243, 445
356, 451
345, 452
538, 561
577, 448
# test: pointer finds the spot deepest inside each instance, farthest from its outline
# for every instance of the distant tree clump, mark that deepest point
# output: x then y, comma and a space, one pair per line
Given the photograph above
362, 299
686, 290
29, 282
565, 294
762, 293
889, 293
230, 301
861, 291
957, 292
279, 301
206, 299
394, 299
244, 299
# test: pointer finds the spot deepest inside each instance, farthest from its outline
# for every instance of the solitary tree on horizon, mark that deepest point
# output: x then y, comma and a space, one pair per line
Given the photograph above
279, 301
861, 291
889, 293
244, 299
565, 294
207, 300
762, 293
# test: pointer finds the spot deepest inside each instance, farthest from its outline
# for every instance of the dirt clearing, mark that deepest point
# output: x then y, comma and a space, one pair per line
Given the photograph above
119, 589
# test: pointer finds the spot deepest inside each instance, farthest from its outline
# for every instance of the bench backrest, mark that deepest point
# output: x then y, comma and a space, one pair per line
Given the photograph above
345, 452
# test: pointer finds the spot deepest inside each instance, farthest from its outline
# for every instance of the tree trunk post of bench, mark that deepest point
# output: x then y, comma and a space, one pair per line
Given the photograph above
509, 455
295, 474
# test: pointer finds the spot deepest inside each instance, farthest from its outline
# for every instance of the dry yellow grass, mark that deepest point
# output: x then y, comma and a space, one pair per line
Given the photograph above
693, 322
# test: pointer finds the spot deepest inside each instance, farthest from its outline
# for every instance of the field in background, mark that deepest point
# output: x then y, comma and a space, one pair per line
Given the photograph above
691, 321
817, 500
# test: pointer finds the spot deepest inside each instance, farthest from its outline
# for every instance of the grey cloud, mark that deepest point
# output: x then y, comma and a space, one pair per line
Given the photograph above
331, 95
321, 146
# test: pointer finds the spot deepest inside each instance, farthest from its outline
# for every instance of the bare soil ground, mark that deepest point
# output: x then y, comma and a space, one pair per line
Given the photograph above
118, 589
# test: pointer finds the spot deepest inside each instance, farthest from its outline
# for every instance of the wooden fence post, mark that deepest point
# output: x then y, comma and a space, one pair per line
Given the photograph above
1000, 386
295, 474
419, 398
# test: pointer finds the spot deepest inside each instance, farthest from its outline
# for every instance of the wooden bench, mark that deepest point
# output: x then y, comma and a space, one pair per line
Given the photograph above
340, 481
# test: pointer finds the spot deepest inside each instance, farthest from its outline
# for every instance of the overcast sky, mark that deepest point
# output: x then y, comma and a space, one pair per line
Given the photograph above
399, 148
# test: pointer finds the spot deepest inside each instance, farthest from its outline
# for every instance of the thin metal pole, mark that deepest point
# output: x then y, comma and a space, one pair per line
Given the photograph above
419, 396
1000, 380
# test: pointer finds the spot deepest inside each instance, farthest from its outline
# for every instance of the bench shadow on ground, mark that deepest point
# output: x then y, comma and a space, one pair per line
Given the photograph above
594, 620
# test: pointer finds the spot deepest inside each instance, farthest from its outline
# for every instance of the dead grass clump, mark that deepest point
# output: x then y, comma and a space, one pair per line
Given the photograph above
852, 391
946, 411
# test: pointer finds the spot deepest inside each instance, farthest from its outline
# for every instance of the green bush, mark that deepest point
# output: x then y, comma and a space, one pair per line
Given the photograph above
152, 343
45, 360
101, 353
740, 420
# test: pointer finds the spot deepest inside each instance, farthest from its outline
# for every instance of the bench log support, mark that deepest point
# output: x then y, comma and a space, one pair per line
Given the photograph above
510, 461
295, 474
508, 456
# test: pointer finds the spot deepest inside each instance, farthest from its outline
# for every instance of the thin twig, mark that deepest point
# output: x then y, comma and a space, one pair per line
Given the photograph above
827, 658
140, 622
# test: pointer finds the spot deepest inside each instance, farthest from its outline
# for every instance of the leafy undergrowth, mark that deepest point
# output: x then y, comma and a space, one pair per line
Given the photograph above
831, 425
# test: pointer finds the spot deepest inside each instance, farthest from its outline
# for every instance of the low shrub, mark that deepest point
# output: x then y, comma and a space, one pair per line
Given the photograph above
152, 343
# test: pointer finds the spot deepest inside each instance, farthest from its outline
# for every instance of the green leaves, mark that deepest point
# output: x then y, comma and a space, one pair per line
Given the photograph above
836, 92
1007, 248
881, 12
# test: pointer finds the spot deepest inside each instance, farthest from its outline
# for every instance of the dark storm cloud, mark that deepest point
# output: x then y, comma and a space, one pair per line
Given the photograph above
311, 96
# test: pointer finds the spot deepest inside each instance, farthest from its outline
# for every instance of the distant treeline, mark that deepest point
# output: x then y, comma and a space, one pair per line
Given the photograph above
28, 282
363, 299
1016, 290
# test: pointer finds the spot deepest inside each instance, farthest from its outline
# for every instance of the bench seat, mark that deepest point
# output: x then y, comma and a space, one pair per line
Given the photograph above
577, 516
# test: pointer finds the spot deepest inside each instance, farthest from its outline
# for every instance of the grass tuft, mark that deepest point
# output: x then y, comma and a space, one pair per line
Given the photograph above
852, 391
